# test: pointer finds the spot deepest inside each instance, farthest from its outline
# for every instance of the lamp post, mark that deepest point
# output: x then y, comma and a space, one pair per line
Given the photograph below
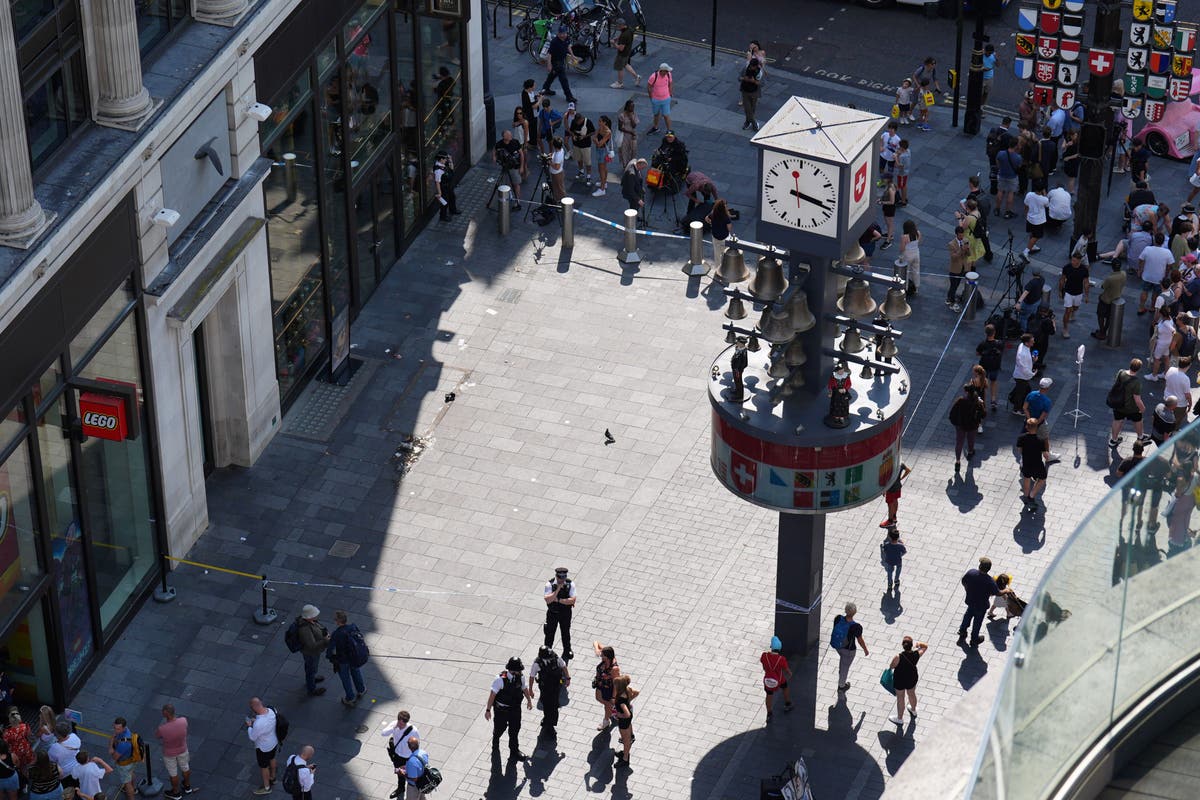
973, 119
1097, 128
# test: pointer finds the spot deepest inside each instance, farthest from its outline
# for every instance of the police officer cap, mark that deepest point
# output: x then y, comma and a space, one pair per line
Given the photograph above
514, 665
560, 572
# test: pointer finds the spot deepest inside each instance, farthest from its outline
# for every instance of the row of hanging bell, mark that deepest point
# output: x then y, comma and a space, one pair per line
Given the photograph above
856, 301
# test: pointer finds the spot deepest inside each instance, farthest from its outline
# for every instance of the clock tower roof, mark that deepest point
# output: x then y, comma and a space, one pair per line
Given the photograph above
820, 130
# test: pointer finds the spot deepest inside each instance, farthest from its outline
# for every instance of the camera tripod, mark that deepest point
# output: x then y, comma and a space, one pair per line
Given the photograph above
1014, 268
543, 194
670, 186
501, 180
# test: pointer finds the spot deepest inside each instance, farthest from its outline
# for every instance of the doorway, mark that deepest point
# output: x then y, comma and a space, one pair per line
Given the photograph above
376, 231
206, 438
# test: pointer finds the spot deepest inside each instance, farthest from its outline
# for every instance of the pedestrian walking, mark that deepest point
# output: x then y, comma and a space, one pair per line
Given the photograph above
18, 738
960, 250
604, 154
910, 254
1112, 287
172, 738
398, 749
623, 697
260, 727
892, 496
891, 555
776, 673
10, 776
1176, 383
347, 650
89, 771
45, 781
1022, 374
313, 638
1034, 452
550, 673
627, 124
1036, 204
299, 774
846, 632
623, 44
1074, 287
1179, 513
991, 353
414, 769
1161, 341
1037, 407
989, 72
556, 64
1163, 424
979, 588
606, 671
750, 85
1008, 169
559, 594
904, 678
660, 88
125, 753
508, 689
582, 132
443, 186
966, 413
720, 224
1125, 400
1152, 266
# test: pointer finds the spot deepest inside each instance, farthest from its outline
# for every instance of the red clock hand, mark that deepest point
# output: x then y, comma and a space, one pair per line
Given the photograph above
796, 178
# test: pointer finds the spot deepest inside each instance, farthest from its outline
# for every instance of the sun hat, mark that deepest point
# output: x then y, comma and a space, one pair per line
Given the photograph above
665, 66
310, 612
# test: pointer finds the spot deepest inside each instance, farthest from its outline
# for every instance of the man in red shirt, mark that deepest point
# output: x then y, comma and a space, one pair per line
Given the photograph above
775, 675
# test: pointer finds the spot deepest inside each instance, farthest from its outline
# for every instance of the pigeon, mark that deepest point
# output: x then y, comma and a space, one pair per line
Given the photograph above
608, 437
449, 397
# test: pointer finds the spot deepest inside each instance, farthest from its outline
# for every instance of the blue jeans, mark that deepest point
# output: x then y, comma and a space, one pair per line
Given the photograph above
310, 671
347, 673
893, 573
1027, 311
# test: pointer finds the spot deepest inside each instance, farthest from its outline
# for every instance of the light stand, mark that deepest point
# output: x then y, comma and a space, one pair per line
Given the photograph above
1076, 414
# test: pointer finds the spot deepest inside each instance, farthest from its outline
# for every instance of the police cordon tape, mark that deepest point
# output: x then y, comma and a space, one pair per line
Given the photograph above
621, 227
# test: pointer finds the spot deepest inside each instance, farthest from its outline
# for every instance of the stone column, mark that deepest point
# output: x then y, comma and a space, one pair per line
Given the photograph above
21, 217
122, 101
227, 13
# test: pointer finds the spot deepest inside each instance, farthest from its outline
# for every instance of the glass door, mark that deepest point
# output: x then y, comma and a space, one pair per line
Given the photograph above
375, 225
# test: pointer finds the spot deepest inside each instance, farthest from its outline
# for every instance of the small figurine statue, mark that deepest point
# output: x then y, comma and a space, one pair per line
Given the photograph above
839, 396
738, 364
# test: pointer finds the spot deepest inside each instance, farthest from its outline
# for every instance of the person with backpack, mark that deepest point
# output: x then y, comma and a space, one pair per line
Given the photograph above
996, 142
550, 673
776, 672
416, 770
125, 748
845, 633
309, 637
991, 353
507, 692
1111, 288
398, 749
298, 774
348, 652
261, 728
1125, 400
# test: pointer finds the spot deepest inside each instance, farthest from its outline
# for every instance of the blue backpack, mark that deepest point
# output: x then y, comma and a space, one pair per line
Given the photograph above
840, 636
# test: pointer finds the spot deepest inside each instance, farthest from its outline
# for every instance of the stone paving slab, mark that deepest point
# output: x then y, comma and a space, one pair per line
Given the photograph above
545, 350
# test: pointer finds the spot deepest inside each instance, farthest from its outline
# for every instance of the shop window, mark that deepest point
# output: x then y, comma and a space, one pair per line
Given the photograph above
441, 84
368, 92
47, 383
55, 109
406, 116
114, 308
157, 18
363, 19
11, 426
25, 659
115, 476
19, 566
66, 541
26, 14
284, 111
336, 232
294, 239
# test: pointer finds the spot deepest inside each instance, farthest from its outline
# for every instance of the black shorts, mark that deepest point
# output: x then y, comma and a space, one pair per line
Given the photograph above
1035, 471
769, 690
265, 759
606, 692
1035, 229
1132, 416
623, 724
889, 210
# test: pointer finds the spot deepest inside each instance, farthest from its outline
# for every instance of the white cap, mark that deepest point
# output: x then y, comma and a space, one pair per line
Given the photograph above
1045, 383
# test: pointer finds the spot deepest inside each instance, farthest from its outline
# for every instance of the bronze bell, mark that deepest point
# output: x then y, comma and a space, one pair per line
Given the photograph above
736, 309
794, 356
779, 367
896, 306
855, 255
801, 318
852, 342
775, 327
733, 267
887, 349
796, 380
730, 337
753, 346
768, 283
857, 300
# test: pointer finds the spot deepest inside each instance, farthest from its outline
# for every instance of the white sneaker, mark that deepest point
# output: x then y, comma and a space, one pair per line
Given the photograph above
599, 192
1053, 457
615, 85
895, 720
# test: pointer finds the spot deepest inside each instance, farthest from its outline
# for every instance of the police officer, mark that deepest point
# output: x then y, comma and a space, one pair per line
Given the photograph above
443, 186
550, 673
559, 595
507, 691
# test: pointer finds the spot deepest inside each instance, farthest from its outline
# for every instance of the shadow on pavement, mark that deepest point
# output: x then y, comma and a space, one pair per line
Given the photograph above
890, 607
972, 668
1030, 531
898, 744
962, 491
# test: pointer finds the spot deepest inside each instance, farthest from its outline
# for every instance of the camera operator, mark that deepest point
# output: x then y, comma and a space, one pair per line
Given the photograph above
559, 595
510, 156
672, 158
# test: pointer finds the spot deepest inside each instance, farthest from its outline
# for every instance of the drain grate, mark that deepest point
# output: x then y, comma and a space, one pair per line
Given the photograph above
510, 296
343, 549
321, 407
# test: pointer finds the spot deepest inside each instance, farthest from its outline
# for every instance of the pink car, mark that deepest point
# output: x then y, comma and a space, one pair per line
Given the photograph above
1177, 134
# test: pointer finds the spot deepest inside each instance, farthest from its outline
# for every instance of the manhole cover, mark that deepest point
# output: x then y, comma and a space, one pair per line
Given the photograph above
509, 296
343, 549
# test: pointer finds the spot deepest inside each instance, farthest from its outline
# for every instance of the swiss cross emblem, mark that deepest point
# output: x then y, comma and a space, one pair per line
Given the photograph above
860, 182
744, 472
1101, 62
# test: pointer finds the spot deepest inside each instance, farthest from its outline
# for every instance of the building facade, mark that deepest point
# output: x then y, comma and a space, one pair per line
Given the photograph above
196, 199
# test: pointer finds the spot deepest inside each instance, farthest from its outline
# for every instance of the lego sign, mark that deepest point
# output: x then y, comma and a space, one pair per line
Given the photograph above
103, 416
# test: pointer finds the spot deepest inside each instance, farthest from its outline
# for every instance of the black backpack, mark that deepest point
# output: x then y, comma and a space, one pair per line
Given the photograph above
990, 354
997, 140
291, 777
291, 637
1116, 395
282, 726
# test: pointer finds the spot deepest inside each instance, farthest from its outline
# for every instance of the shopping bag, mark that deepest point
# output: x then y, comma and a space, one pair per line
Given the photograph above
929, 99
887, 681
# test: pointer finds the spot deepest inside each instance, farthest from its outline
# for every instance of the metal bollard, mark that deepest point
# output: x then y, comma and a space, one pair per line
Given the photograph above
568, 222
629, 253
1116, 320
505, 192
289, 176
695, 264
972, 301
1046, 295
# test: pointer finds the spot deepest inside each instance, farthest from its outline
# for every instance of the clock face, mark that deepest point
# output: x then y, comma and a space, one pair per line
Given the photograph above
800, 193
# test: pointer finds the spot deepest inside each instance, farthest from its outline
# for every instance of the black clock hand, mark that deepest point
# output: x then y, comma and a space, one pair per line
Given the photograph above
812, 200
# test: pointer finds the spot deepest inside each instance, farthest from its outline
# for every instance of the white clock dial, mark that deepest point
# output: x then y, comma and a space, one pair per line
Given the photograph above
801, 193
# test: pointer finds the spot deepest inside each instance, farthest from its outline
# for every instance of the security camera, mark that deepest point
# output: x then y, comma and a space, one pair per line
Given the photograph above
259, 112
167, 217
